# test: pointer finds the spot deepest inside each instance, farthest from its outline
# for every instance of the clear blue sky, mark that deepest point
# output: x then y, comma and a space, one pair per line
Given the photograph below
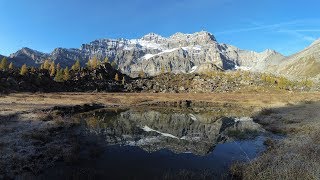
284, 25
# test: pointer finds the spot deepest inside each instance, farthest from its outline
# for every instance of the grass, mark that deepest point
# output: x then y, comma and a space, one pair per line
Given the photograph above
295, 157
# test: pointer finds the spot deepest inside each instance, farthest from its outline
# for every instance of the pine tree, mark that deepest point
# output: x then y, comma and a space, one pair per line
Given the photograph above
116, 77
93, 63
52, 69
89, 64
11, 66
123, 80
162, 69
106, 60
33, 70
58, 67
4, 64
114, 64
66, 75
46, 64
76, 66
23, 70
59, 76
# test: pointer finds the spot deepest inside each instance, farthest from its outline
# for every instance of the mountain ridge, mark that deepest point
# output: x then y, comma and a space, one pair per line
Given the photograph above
153, 54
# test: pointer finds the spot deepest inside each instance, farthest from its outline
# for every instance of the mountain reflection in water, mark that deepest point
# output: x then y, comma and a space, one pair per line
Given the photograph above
180, 131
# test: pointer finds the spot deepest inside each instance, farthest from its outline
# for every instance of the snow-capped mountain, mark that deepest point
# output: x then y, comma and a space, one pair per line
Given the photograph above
153, 54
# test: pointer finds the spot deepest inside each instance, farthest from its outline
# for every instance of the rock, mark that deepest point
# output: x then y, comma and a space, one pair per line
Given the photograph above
154, 54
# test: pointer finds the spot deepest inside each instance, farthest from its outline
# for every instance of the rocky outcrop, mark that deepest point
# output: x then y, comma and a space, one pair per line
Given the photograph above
154, 54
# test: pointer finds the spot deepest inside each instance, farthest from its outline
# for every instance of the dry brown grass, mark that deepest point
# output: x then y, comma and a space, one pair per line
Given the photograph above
29, 101
295, 157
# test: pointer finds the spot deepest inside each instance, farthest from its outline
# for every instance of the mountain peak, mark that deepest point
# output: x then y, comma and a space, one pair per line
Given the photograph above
152, 37
199, 36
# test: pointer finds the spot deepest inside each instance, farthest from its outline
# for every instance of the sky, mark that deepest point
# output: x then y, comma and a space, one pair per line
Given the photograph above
286, 26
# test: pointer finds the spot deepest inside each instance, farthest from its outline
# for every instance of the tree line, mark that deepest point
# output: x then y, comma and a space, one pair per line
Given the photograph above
58, 73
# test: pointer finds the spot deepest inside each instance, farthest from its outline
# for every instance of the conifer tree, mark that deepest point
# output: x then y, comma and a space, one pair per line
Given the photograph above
52, 69
123, 80
106, 60
4, 64
23, 70
76, 66
162, 69
66, 74
33, 70
114, 64
58, 67
116, 77
11, 66
59, 76
46, 65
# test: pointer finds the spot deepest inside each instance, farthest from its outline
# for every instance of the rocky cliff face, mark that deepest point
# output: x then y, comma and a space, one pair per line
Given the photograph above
153, 54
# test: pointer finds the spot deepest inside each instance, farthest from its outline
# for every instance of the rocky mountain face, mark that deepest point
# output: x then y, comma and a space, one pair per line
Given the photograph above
154, 54
302, 65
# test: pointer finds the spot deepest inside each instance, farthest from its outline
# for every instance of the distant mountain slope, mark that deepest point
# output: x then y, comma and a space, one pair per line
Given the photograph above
153, 54
304, 64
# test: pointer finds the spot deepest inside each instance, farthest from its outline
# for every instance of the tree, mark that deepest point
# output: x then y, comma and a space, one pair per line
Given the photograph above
114, 64
76, 66
94, 62
142, 74
66, 75
52, 69
23, 70
162, 69
33, 70
46, 65
106, 60
59, 76
123, 80
58, 67
116, 77
4, 64
11, 66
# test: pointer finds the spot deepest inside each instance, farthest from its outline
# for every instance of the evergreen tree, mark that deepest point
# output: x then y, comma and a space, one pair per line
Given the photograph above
11, 66
66, 75
59, 76
4, 64
116, 77
76, 66
23, 70
52, 69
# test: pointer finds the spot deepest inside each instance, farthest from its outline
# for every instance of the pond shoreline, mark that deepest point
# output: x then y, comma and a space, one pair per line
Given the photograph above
30, 120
